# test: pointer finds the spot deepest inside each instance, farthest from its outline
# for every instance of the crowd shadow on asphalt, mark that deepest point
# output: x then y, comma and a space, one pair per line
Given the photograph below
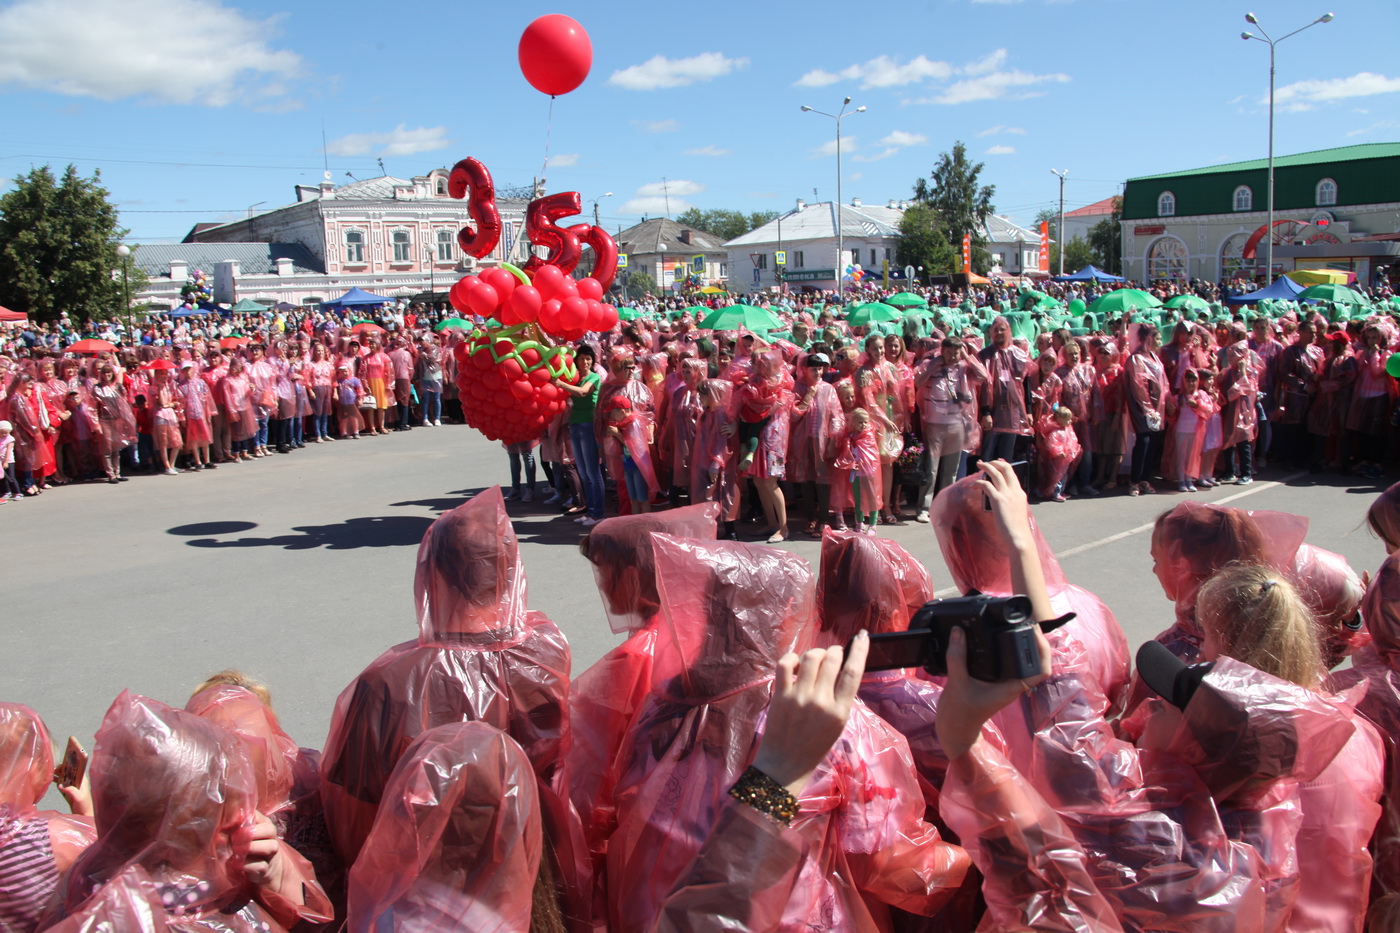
370, 531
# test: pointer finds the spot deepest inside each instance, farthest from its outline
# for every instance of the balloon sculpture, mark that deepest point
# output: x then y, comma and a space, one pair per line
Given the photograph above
505, 375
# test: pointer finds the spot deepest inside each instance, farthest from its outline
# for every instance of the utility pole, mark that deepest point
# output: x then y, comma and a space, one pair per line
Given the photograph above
1060, 230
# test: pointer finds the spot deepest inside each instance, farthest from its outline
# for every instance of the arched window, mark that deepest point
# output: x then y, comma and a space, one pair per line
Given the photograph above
442, 186
401, 245
354, 246
1232, 262
1166, 259
1166, 204
1244, 198
1326, 192
444, 245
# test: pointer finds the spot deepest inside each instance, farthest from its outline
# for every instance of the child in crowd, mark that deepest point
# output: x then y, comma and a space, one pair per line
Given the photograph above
10, 486
858, 474
1193, 415
349, 391
1059, 452
145, 441
635, 438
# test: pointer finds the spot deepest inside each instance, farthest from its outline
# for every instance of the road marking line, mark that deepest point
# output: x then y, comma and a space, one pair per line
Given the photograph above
1080, 549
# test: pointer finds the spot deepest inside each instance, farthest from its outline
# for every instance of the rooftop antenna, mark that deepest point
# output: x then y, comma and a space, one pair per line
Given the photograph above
325, 155
381, 167
666, 193
351, 177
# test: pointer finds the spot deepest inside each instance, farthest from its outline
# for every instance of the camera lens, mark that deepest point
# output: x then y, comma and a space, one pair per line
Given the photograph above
1016, 609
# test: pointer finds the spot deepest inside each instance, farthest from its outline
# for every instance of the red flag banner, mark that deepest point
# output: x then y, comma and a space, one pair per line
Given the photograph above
1045, 246
967, 252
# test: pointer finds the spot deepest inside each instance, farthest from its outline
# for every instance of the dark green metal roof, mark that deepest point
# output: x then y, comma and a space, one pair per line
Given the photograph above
1364, 174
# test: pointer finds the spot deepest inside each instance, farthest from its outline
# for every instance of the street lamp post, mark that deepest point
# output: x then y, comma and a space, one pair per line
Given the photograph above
840, 238
124, 254
1062, 174
1271, 43
595, 206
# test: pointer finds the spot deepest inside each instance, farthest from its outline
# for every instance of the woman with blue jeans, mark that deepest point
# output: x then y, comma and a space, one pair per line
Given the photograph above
429, 375
586, 457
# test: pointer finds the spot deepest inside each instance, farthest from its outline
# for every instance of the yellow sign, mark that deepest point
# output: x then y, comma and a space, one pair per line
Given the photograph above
780, 257
622, 260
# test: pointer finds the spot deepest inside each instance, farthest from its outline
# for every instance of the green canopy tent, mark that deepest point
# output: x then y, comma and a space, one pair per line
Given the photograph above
249, 306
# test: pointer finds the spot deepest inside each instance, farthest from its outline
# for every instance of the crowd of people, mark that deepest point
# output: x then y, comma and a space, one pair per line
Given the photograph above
844, 426
734, 765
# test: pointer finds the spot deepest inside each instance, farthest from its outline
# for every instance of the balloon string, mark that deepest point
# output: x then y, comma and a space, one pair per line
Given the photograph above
548, 125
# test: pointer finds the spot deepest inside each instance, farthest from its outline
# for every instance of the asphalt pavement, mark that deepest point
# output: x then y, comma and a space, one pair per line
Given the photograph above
299, 569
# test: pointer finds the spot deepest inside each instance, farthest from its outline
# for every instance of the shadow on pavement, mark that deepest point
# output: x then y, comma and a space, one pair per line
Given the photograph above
378, 531
211, 528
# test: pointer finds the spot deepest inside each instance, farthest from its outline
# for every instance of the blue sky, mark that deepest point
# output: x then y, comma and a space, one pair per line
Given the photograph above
198, 110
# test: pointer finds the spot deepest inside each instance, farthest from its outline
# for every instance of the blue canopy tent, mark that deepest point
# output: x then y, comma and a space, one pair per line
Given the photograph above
1089, 273
357, 298
1282, 289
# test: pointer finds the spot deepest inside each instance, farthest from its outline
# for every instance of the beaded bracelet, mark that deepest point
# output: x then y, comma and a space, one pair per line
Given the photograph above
765, 795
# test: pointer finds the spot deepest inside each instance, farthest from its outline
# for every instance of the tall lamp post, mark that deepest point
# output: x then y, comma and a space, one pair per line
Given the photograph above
124, 254
595, 206
1062, 174
840, 238
1271, 43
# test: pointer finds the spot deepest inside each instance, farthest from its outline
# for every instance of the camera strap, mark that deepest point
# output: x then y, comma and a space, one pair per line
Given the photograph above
1051, 624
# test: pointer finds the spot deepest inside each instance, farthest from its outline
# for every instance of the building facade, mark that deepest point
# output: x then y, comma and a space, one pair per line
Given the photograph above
1334, 209
805, 239
387, 235
670, 252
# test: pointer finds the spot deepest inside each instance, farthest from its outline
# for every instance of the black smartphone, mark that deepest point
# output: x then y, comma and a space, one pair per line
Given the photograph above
987, 500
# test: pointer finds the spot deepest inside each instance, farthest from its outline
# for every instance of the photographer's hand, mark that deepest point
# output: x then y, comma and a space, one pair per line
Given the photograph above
1013, 517
812, 698
967, 703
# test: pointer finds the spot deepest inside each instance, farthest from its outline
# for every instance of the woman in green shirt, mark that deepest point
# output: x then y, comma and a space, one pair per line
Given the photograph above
584, 397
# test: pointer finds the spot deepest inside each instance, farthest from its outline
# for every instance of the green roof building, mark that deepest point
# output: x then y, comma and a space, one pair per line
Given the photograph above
1333, 208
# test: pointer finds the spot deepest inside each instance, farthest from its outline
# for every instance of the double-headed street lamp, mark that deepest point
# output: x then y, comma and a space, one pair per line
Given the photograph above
840, 239
1271, 42
124, 253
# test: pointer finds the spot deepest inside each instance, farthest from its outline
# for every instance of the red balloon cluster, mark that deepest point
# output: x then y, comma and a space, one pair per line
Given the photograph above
507, 388
557, 304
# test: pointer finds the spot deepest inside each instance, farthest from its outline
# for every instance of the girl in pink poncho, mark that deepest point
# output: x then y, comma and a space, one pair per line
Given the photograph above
712, 467
857, 474
1194, 407
763, 402
1059, 452
633, 435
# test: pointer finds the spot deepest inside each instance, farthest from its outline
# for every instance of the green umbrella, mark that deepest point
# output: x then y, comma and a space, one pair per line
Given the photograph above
1192, 303
736, 317
870, 312
455, 322
627, 314
906, 300
1118, 302
1337, 294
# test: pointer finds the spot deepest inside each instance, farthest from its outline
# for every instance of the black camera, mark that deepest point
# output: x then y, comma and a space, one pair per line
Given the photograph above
1000, 632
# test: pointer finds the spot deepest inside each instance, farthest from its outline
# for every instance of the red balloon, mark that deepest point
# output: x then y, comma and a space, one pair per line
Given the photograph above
522, 389
502, 281
525, 303
611, 320
470, 177
459, 292
549, 315
589, 289
573, 313
562, 242
530, 357
604, 255
555, 54
484, 300
593, 321
548, 280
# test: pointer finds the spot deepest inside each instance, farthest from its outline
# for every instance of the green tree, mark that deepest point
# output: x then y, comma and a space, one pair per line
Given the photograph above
962, 204
723, 223
639, 283
58, 242
922, 242
1078, 254
1106, 239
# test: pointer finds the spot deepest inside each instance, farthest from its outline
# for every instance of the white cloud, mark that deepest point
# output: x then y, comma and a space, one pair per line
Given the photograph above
828, 148
1299, 95
672, 187
883, 154
708, 151
1002, 150
999, 129
991, 63
563, 160
653, 206
881, 71
1374, 127
998, 85
657, 126
855, 176
400, 141
171, 51
901, 138
660, 71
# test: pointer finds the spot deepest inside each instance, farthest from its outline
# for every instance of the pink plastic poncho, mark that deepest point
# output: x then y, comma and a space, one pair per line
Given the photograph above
481, 655
1193, 830
174, 799
767, 393
815, 426
1194, 540
36, 846
604, 700
1093, 644
1003, 394
1239, 390
1333, 592
713, 472
1378, 665
456, 844
731, 610
1059, 452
